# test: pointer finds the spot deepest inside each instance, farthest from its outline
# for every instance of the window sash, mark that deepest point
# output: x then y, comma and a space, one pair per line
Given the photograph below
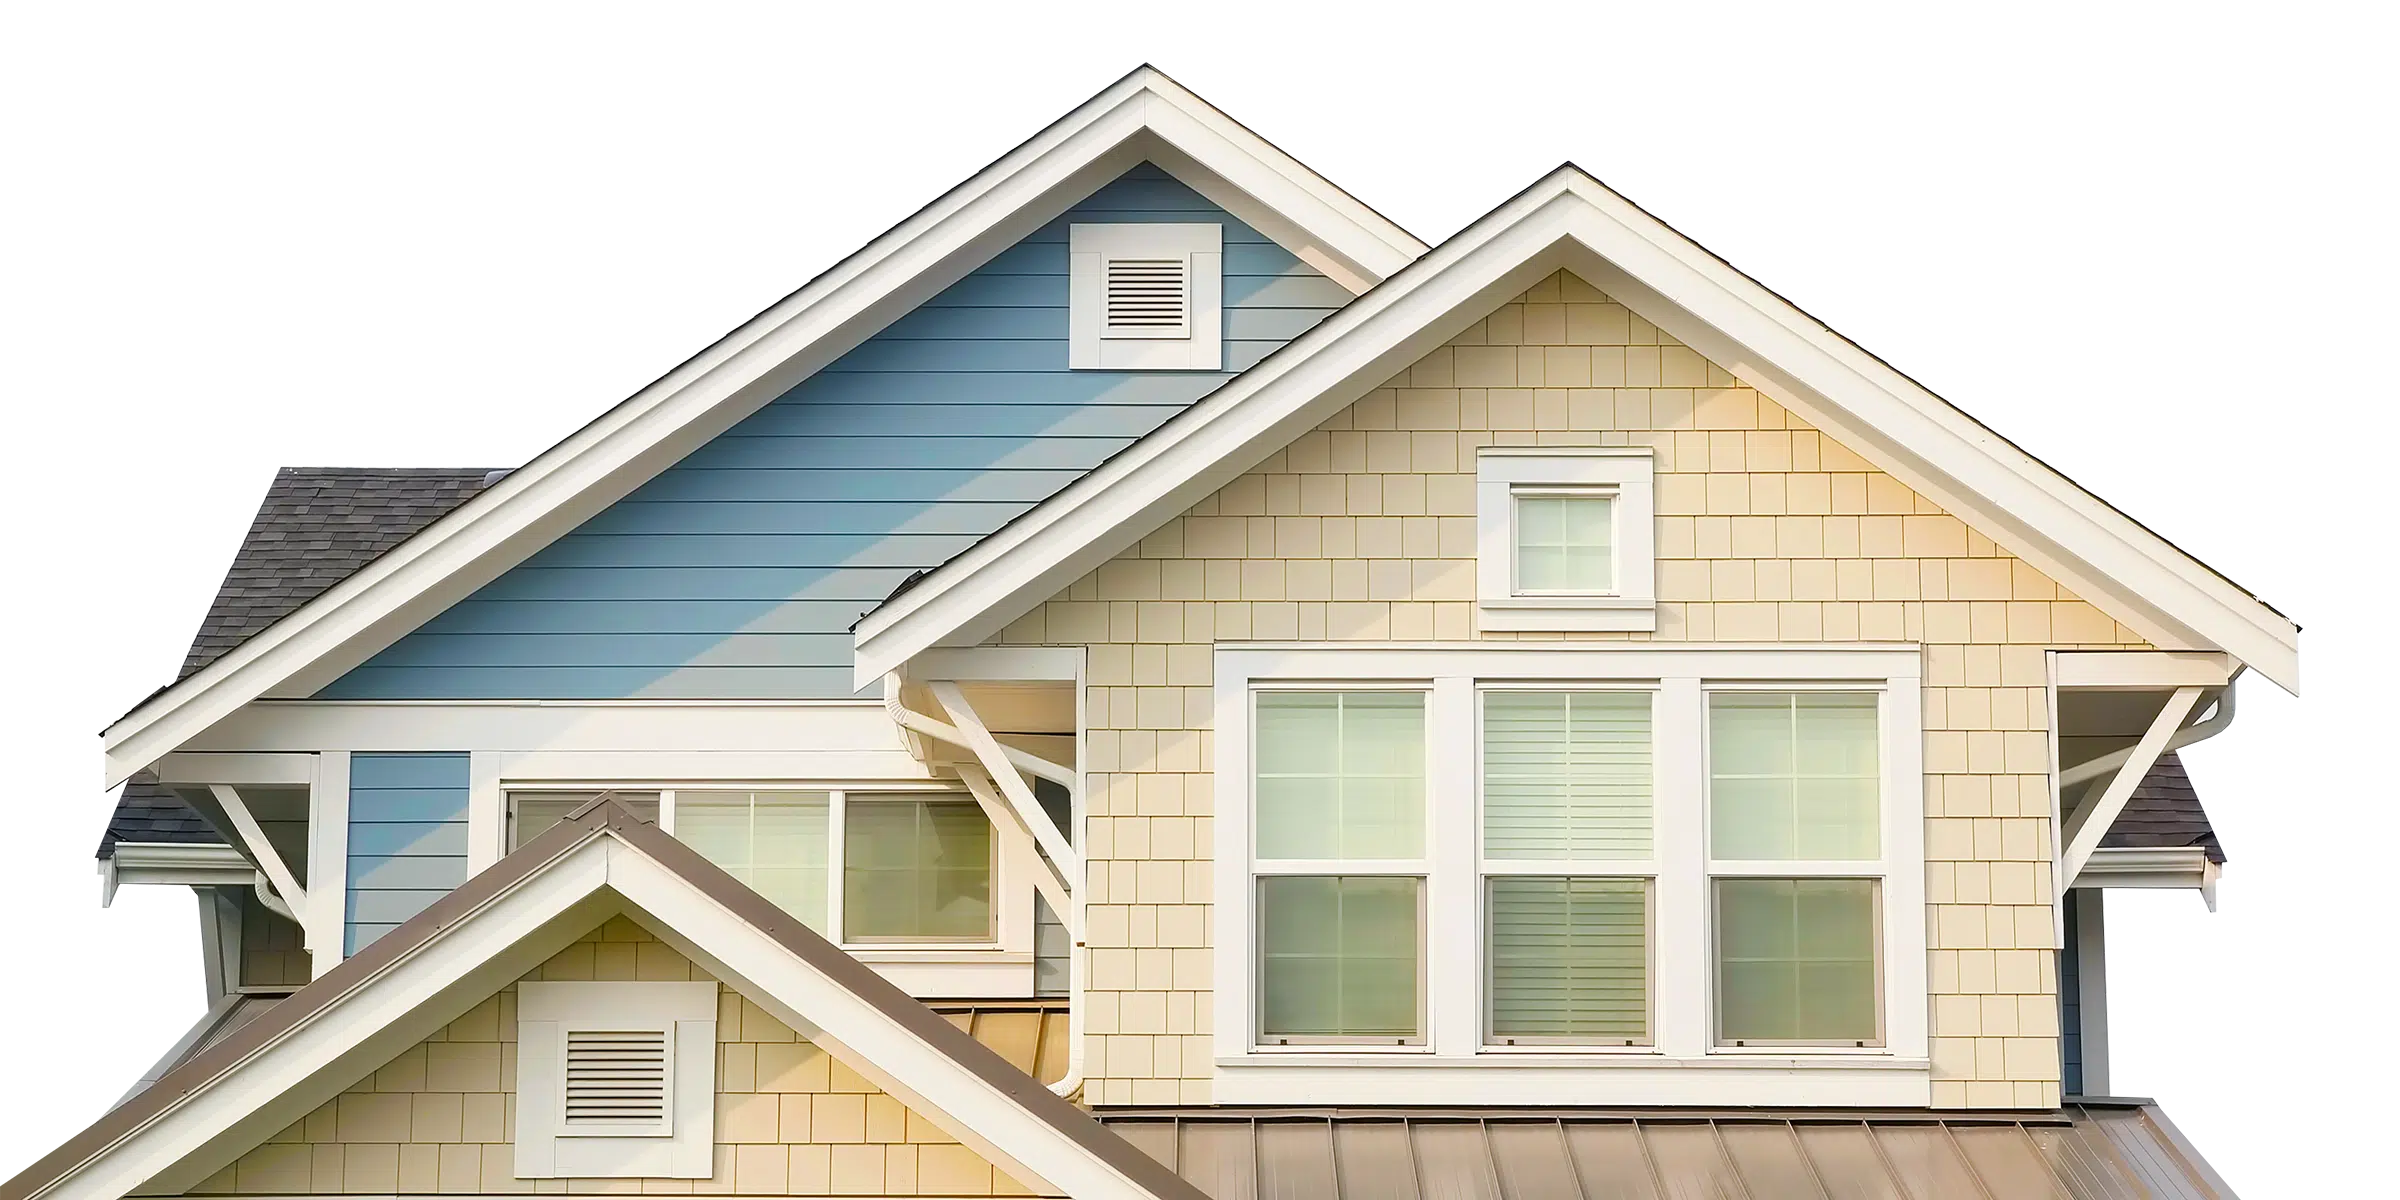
1577, 786
1550, 554
1790, 778
1354, 787
1548, 994
1794, 972
1363, 979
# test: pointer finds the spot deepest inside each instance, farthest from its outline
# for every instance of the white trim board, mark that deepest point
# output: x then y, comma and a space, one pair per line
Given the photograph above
210, 1121
1570, 220
1144, 116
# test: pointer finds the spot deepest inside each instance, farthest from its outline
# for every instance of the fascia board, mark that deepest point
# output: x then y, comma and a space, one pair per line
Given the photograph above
707, 394
2092, 549
1213, 441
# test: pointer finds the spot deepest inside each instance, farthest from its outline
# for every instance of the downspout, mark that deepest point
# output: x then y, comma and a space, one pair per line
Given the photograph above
942, 731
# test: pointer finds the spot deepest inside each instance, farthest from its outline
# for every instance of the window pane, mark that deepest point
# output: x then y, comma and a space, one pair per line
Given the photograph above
1565, 543
1570, 959
1794, 775
1566, 775
1796, 960
776, 842
531, 814
915, 870
1338, 957
1341, 774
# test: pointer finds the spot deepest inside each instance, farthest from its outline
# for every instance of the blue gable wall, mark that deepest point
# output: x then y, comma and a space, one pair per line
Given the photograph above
738, 572
408, 839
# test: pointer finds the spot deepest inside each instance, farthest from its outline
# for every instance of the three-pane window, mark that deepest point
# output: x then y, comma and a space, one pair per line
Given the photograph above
906, 868
1782, 858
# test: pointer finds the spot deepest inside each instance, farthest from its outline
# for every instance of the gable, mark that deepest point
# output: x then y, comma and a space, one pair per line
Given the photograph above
599, 863
737, 572
791, 1118
1571, 221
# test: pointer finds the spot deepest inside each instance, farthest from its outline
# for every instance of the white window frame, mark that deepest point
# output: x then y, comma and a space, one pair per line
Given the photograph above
1093, 346
1000, 966
1681, 1064
682, 1147
1622, 474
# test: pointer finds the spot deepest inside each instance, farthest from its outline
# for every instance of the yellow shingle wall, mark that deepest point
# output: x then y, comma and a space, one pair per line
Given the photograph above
1364, 529
790, 1119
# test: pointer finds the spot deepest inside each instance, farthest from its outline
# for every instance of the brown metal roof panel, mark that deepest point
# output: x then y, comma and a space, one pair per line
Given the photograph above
1531, 1157
1846, 1164
1375, 1159
1926, 1161
1220, 1158
1767, 1156
2152, 1155
1295, 1160
1454, 1160
2081, 1158
1610, 1161
2007, 1164
1691, 1161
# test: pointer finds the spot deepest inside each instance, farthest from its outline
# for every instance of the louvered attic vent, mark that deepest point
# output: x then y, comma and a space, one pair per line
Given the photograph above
1148, 297
617, 1078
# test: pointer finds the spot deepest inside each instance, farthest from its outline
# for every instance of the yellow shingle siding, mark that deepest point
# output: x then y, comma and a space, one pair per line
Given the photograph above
790, 1119
1768, 531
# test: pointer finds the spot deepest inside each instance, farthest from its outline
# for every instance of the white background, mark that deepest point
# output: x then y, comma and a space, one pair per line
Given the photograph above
212, 270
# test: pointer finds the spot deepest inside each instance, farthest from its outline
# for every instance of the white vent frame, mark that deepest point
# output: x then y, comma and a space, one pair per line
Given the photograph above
678, 1144
1094, 344
1625, 474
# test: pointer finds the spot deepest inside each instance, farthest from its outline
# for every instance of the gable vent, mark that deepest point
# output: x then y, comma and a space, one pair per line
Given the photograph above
1149, 297
616, 1077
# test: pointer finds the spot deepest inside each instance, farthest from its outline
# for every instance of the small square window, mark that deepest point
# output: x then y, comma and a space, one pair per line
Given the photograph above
1146, 296
1564, 539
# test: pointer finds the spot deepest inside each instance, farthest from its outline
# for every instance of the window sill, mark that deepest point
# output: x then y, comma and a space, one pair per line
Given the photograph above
1588, 1078
949, 974
1567, 614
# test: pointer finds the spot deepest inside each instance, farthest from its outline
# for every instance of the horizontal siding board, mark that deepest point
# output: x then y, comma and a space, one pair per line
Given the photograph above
738, 572
653, 650
691, 683
426, 839
407, 838
762, 585
518, 617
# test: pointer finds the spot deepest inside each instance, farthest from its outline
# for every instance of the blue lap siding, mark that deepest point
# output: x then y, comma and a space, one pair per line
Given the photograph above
738, 572
408, 839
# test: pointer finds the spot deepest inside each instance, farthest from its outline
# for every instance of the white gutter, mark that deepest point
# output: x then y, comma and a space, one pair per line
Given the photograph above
2198, 731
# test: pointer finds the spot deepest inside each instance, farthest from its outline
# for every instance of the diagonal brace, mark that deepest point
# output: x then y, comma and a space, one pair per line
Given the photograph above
1017, 842
262, 852
2089, 824
1012, 784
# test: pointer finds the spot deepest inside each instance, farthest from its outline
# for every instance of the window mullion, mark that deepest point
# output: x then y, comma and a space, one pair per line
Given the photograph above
1680, 983
836, 841
1453, 898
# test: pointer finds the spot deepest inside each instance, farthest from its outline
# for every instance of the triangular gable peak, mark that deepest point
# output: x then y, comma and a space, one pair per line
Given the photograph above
1143, 117
1573, 222
515, 916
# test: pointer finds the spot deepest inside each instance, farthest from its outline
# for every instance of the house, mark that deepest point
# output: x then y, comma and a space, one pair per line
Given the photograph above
1148, 680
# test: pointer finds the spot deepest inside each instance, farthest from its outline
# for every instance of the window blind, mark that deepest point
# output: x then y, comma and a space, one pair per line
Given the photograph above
916, 870
1570, 959
1793, 775
1566, 775
1341, 775
776, 842
1338, 957
1796, 960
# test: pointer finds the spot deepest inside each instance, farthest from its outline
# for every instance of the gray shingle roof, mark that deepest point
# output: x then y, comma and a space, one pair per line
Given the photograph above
148, 812
2165, 811
315, 528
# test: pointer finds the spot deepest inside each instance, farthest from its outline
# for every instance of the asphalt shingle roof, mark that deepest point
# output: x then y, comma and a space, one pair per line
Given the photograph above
2165, 811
